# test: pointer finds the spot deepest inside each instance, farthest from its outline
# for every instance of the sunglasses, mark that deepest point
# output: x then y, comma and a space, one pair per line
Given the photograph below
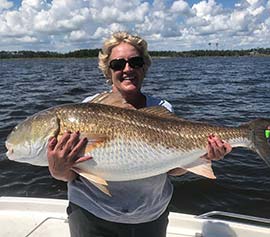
120, 64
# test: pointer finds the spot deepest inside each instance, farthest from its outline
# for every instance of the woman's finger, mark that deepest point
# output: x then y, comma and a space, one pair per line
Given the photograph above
52, 143
80, 146
71, 143
62, 142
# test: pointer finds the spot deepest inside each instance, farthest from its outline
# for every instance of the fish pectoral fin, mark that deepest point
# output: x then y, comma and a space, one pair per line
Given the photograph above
89, 176
98, 182
102, 188
203, 168
94, 141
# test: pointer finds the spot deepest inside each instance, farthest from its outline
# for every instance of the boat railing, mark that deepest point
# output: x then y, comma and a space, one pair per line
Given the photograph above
252, 219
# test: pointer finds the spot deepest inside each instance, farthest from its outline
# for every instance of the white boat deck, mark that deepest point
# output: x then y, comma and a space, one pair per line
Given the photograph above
37, 217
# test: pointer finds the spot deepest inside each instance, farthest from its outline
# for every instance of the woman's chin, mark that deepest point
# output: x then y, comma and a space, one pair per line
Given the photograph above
129, 87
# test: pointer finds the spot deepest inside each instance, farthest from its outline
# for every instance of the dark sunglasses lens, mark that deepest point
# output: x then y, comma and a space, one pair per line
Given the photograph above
118, 64
136, 62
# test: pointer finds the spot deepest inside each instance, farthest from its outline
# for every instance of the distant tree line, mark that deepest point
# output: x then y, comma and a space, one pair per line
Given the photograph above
82, 53
86, 53
214, 53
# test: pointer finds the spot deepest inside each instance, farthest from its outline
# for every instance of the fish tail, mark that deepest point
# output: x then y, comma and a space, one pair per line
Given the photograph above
260, 137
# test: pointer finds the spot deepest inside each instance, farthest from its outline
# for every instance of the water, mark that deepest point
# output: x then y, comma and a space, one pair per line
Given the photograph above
226, 91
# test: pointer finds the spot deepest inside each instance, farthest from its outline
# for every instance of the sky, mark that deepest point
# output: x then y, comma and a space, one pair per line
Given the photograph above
68, 25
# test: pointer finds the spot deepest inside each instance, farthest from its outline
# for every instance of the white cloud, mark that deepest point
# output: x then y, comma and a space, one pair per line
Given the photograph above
257, 11
239, 21
34, 4
252, 2
27, 39
78, 35
5, 4
207, 8
119, 12
181, 7
170, 25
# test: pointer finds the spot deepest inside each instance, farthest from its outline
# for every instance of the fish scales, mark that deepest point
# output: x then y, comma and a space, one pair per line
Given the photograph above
130, 147
141, 126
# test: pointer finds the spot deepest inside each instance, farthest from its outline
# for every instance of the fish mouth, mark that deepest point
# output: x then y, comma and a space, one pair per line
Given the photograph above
10, 150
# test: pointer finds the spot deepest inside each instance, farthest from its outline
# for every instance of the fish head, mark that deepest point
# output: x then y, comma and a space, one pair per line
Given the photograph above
28, 140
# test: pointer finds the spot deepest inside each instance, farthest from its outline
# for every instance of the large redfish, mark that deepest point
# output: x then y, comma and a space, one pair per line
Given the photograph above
130, 144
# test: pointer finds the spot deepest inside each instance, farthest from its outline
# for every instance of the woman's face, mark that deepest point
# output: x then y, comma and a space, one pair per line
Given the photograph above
129, 80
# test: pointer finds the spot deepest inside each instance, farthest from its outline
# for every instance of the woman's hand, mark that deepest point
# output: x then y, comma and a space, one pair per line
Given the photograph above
216, 150
63, 155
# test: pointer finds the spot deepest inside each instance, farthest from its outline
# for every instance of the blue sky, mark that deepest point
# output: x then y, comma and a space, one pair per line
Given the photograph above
66, 25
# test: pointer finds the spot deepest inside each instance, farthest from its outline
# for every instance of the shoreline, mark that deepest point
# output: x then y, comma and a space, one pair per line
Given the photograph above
93, 53
153, 57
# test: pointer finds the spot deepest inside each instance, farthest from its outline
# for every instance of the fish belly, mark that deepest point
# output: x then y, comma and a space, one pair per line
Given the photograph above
126, 160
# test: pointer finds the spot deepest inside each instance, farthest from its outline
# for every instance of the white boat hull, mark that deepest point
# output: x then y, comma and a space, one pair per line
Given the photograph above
38, 217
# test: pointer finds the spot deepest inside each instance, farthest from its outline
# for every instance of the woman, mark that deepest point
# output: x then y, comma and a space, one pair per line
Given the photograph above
136, 208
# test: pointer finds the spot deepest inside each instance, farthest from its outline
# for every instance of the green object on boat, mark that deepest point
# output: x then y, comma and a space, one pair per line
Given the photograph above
267, 133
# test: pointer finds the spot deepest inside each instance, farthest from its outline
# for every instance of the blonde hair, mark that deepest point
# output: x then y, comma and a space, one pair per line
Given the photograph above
117, 38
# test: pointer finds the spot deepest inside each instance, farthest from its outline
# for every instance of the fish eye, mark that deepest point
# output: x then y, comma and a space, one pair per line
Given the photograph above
13, 130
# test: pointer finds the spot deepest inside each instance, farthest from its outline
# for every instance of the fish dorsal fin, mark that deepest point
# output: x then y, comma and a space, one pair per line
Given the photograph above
100, 97
112, 98
98, 182
160, 111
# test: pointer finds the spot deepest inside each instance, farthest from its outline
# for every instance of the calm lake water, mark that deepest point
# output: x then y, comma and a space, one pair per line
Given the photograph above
227, 91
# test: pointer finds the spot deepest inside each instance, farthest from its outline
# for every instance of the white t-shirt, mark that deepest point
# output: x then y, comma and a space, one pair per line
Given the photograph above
132, 202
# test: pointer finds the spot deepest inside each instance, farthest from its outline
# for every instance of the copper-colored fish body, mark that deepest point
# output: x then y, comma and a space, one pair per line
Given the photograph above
131, 144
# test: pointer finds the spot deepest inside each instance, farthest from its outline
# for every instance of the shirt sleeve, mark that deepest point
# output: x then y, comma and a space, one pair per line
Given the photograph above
89, 98
153, 101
